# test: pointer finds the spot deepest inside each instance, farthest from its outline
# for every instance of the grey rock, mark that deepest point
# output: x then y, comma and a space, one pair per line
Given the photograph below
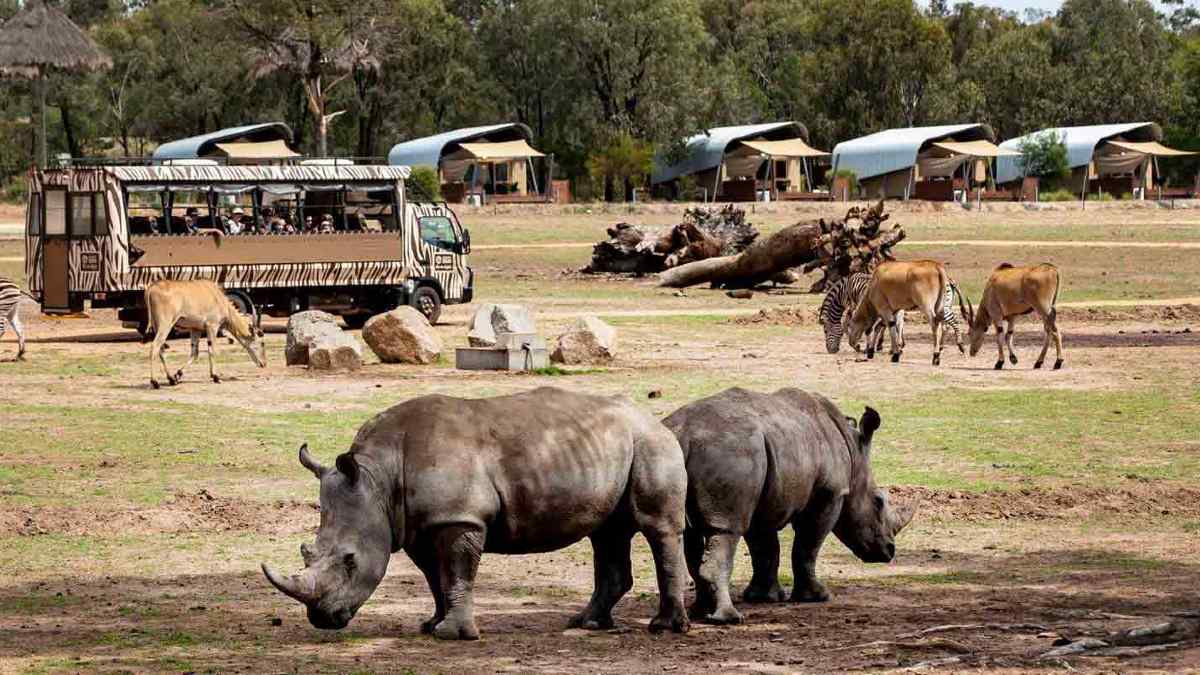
302, 331
492, 318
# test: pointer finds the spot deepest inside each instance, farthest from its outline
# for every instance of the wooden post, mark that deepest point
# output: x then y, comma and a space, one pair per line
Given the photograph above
40, 84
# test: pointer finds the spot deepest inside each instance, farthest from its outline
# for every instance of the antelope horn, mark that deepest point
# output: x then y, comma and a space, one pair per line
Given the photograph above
311, 464
289, 586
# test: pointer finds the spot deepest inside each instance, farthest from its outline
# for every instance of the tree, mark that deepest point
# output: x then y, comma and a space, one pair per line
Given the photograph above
624, 159
1044, 155
321, 41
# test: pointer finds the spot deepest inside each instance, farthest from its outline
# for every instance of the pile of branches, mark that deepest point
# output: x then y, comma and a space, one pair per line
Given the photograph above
704, 233
855, 243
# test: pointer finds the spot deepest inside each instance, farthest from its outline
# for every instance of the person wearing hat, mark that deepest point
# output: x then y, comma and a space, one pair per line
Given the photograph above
234, 225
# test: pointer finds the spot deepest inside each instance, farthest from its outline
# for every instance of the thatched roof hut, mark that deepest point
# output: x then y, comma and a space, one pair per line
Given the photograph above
40, 38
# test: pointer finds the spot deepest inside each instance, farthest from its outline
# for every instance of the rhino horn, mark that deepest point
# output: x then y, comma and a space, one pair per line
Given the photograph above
289, 586
311, 464
902, 516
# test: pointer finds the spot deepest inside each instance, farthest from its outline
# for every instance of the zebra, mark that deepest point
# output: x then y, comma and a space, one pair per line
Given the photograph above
843, 297
10, 301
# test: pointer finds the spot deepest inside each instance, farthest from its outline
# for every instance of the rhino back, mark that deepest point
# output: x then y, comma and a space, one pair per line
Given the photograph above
539, 470
754, 460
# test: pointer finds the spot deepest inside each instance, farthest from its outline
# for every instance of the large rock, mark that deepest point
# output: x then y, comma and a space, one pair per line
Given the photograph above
335, 351
589, 341
492, 318
303, 329
402, 335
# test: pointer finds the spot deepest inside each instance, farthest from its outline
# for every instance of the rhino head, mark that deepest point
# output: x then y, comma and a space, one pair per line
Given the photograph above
868, 523
354, 543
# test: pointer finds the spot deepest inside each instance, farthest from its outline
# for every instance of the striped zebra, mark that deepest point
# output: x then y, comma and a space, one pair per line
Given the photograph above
10, 301
843, 297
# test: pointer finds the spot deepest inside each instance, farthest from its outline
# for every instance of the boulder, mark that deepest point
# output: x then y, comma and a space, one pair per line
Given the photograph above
303, 329
493, 318
590, 340
335, 351
402, 335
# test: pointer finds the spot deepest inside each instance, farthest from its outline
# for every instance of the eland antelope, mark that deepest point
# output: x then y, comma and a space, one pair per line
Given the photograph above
1011, 292
842, 297
899, 286
195, 306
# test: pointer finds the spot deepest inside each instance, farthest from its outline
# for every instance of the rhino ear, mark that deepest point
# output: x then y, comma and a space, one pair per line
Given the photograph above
348, 466
868, 425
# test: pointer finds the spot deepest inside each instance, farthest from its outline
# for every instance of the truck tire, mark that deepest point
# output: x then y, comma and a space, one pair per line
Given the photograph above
427, 301
356, 321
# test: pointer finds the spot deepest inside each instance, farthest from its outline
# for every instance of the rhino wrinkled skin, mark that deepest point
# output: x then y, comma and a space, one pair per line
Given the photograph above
759, 462
447, 479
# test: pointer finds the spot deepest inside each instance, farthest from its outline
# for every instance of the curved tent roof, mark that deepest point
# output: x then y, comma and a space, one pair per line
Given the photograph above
897, 149
428, 151
1081, 143
206, 144
706, 151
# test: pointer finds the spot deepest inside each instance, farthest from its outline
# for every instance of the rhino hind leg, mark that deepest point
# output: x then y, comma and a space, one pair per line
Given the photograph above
693, 551
715, 570
459, 548
764, 556
811, 528
613, 578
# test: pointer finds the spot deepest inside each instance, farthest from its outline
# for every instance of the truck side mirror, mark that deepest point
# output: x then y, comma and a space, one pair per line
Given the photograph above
465, 245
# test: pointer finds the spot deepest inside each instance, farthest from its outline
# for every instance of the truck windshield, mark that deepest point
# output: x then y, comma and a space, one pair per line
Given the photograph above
439, 231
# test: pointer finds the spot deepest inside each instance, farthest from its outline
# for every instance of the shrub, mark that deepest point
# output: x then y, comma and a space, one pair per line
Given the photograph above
423, 181
16, 190
1044, 155
625, 158
1057, 196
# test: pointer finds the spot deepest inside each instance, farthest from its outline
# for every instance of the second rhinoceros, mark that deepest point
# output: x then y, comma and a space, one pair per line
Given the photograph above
759, 462
448, 479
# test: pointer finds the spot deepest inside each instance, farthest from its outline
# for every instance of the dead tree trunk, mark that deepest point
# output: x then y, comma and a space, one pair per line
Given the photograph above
855, 243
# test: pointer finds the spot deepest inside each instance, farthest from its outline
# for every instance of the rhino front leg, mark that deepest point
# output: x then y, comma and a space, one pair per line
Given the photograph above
812, 527
613, 578
424, 559
764, 556
459, 548
715, 570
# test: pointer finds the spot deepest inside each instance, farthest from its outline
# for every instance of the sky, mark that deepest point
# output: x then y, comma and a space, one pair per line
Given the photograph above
1019, 6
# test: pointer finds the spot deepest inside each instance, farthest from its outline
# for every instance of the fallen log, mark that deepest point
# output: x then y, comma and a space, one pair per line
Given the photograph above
856, 243
703, 233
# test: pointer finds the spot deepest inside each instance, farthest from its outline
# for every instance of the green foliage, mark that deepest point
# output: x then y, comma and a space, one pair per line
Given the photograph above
15, 190
624, 159
1044, 155
425, 184
1058, 196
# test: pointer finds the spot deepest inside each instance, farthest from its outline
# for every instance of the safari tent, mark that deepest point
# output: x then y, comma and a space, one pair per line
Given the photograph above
939, 163
488, 163
250, 144
742, 163
1116, 159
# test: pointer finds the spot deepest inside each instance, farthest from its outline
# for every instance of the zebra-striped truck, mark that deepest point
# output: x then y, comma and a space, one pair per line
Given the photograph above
278, 239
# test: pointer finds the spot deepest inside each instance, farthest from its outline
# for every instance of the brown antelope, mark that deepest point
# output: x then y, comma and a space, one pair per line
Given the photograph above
195, 306
896, 287
1011, 292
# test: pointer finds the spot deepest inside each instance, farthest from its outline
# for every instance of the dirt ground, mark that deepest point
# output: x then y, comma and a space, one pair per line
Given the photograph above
1052, 504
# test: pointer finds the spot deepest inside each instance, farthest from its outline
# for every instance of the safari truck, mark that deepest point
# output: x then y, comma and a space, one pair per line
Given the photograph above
102, 234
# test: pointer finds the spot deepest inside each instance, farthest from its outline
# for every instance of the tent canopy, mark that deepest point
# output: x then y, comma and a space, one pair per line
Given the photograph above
1150, 148
976, 148
498, 151
792, 147
206, 145
1081, 144
707, 150
263, 150
429, 150
893, 150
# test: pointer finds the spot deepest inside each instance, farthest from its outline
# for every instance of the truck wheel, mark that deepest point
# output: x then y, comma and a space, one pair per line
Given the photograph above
426, 301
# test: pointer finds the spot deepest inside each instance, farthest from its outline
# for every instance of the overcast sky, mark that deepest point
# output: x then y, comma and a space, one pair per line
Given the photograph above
1019, 6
